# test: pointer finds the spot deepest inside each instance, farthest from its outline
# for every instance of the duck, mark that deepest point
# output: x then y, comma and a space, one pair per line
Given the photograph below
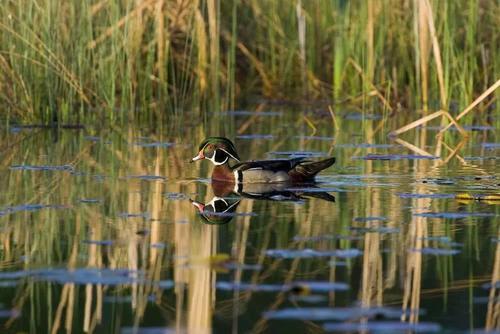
221, 209
230, 169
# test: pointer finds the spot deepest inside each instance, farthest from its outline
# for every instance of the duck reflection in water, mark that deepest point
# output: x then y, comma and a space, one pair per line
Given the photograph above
222, 207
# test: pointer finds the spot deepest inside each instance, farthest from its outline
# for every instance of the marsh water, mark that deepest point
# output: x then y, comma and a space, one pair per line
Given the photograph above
99, 232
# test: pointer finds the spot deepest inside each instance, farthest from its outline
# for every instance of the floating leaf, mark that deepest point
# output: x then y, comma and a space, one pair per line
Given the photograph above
311, 299
252, 113
99, 242
453, 215
311, 253
255, 136
291, 287
416, 195
435, 251
356, 116
335, 313
315, 138
370, 219
147, 177
29, 207
154, 144
144, 215
149, 330
383, 327
66, 168
490, 145
90, 200
396, 157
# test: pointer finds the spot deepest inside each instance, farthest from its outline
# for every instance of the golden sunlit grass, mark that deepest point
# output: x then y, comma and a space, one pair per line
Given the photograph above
85, 59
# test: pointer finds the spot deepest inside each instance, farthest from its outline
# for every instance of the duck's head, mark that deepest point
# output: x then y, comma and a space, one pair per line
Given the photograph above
216, 149
218, 211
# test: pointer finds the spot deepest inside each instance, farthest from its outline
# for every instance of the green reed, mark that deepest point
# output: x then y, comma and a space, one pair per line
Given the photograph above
87, 60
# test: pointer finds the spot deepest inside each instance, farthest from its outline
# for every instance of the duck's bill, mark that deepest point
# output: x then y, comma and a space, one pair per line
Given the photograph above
200, 156
198, 205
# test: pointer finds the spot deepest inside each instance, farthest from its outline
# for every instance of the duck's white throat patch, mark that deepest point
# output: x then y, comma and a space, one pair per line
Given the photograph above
219, 157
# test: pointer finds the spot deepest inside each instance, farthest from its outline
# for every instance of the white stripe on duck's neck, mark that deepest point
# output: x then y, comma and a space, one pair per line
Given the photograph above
217, 163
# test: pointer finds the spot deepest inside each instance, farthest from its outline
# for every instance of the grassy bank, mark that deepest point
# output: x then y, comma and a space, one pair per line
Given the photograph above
88, 60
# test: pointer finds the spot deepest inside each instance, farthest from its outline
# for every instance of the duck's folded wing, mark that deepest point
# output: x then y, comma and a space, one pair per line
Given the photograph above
272, 165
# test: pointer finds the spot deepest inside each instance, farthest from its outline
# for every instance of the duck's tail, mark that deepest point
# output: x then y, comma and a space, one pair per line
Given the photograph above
305, 171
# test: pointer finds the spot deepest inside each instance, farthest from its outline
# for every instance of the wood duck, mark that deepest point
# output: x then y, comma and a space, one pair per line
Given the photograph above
218, 211
222, 207
220, 151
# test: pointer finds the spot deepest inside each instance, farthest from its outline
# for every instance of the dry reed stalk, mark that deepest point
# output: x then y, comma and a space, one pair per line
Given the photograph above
334, 120
412, 147
454, 152
301, 32
87, 308
121, 22
15, 77
422, 31
437, 53
311, 125
56, 323
213, 33
201, 38
160, 39
370, 28
251, 119
259, 66
425, 119
413, 278
96, 8
369, 82
372, 273
493, 314
135, 30
490, 90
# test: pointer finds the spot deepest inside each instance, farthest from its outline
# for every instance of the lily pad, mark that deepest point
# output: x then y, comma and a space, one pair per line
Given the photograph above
309, 286
334, 313
65, 168
435, 251
311, 253
154, 144
147, 177
383, 327
416, 195
255, 136
453, 215
29, 207
396, 157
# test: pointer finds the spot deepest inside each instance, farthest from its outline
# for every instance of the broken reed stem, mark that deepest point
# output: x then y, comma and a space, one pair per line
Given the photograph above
108, 32
454, 152
416, 123
428, 118
413, 147
437, 54
334, 121
423, 50
311, 125
446, 114
475, 103
366, 79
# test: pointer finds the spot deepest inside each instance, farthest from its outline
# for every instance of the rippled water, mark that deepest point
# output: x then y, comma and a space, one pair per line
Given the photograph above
110, 230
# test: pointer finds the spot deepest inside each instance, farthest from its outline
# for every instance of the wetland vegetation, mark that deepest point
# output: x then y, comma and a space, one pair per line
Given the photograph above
106, 228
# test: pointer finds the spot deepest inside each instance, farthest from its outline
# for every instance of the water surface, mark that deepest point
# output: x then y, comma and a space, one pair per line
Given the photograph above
112, 231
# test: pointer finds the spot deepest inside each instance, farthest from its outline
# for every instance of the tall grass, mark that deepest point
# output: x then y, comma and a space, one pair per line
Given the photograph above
88, 60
